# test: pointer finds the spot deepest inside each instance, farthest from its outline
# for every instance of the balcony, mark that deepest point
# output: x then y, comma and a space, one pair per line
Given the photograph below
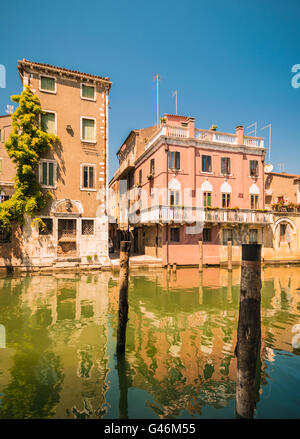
203, 135
181, 215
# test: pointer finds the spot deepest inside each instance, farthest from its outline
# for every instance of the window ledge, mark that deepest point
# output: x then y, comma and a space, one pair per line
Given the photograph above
45, 186
206, 172
48, 91
89, 141
88, 99
87, 189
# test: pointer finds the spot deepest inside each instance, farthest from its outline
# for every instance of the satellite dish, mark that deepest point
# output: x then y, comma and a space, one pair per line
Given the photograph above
268, 168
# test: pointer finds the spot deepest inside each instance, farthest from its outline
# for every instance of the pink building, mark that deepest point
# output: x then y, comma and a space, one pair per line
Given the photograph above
190, 185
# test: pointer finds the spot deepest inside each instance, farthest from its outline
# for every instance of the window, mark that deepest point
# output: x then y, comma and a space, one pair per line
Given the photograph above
3, 196
225, 200
253, 236
87, 227
174, 234
2, 135
174, 197
48, 122
253, 168
227, 236
140, 176
47, 84
206, 163
152, 166
88, 129
48, 173
206, 235
206, 199
88, 176
174, 159
88, 92
283, 229
48, 230
254, 201
225, 165
5, 236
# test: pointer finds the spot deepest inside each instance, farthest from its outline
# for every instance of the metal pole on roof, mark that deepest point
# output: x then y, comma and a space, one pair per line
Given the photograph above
270, 133
175, 93
157, 78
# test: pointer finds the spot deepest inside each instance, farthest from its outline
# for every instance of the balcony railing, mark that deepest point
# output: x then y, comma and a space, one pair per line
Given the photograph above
180, 214
208, 135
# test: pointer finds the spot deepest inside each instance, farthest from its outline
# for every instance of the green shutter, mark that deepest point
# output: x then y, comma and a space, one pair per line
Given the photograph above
88, 129
209, 199
88, 91
51, 167
91, 177
47, 83
48, 123
44, 174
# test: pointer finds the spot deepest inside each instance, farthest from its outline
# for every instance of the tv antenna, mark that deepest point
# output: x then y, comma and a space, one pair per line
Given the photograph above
281, 167
175, 93
157, 78
270, 131
254, 129
9, 109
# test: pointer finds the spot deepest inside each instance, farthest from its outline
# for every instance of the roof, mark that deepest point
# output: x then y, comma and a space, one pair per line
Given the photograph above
284, 174
6, 115
139, 131
24, 62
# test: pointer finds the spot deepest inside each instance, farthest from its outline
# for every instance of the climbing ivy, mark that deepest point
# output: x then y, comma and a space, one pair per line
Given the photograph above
25, 145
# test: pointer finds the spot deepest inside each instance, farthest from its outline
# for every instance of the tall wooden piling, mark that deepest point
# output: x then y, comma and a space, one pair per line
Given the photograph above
249, 330
200, 255
123, 385
229, 261
123, 295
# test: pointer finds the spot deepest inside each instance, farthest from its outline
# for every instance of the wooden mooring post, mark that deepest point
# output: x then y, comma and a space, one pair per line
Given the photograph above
123, 295
249, 330
200, 255
229, 249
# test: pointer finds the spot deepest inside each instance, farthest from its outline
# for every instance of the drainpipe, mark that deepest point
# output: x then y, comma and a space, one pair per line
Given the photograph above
167, 186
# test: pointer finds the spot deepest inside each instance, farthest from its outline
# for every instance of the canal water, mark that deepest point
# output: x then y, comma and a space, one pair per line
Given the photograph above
58, 339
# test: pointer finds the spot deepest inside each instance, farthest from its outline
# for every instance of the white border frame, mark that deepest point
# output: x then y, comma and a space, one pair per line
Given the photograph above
40, 84
41, 161
95, 129
94, 189
88, 85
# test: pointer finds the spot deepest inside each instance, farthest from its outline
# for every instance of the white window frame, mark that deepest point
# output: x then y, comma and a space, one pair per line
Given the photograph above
95, 129
46, 186
55, 114
88, 85
40, 83
81, 178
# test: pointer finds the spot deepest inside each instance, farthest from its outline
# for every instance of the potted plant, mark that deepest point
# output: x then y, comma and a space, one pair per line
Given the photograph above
89, 258
162, 120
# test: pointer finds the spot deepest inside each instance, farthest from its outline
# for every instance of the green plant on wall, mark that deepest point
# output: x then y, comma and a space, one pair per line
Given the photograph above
25, 145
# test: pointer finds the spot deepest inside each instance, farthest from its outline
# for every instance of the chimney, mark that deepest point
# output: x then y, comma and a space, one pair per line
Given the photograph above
240, 134
191, 126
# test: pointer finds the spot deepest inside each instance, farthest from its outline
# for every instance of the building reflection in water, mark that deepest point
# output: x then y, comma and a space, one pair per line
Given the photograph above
181, 335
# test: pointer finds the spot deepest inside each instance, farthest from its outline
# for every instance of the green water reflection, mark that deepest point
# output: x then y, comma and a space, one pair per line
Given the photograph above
58, 336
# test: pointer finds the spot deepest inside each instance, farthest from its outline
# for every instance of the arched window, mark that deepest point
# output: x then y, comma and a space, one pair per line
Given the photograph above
254, 196
226, 194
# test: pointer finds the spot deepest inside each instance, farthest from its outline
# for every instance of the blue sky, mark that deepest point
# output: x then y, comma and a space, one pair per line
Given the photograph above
230, 60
